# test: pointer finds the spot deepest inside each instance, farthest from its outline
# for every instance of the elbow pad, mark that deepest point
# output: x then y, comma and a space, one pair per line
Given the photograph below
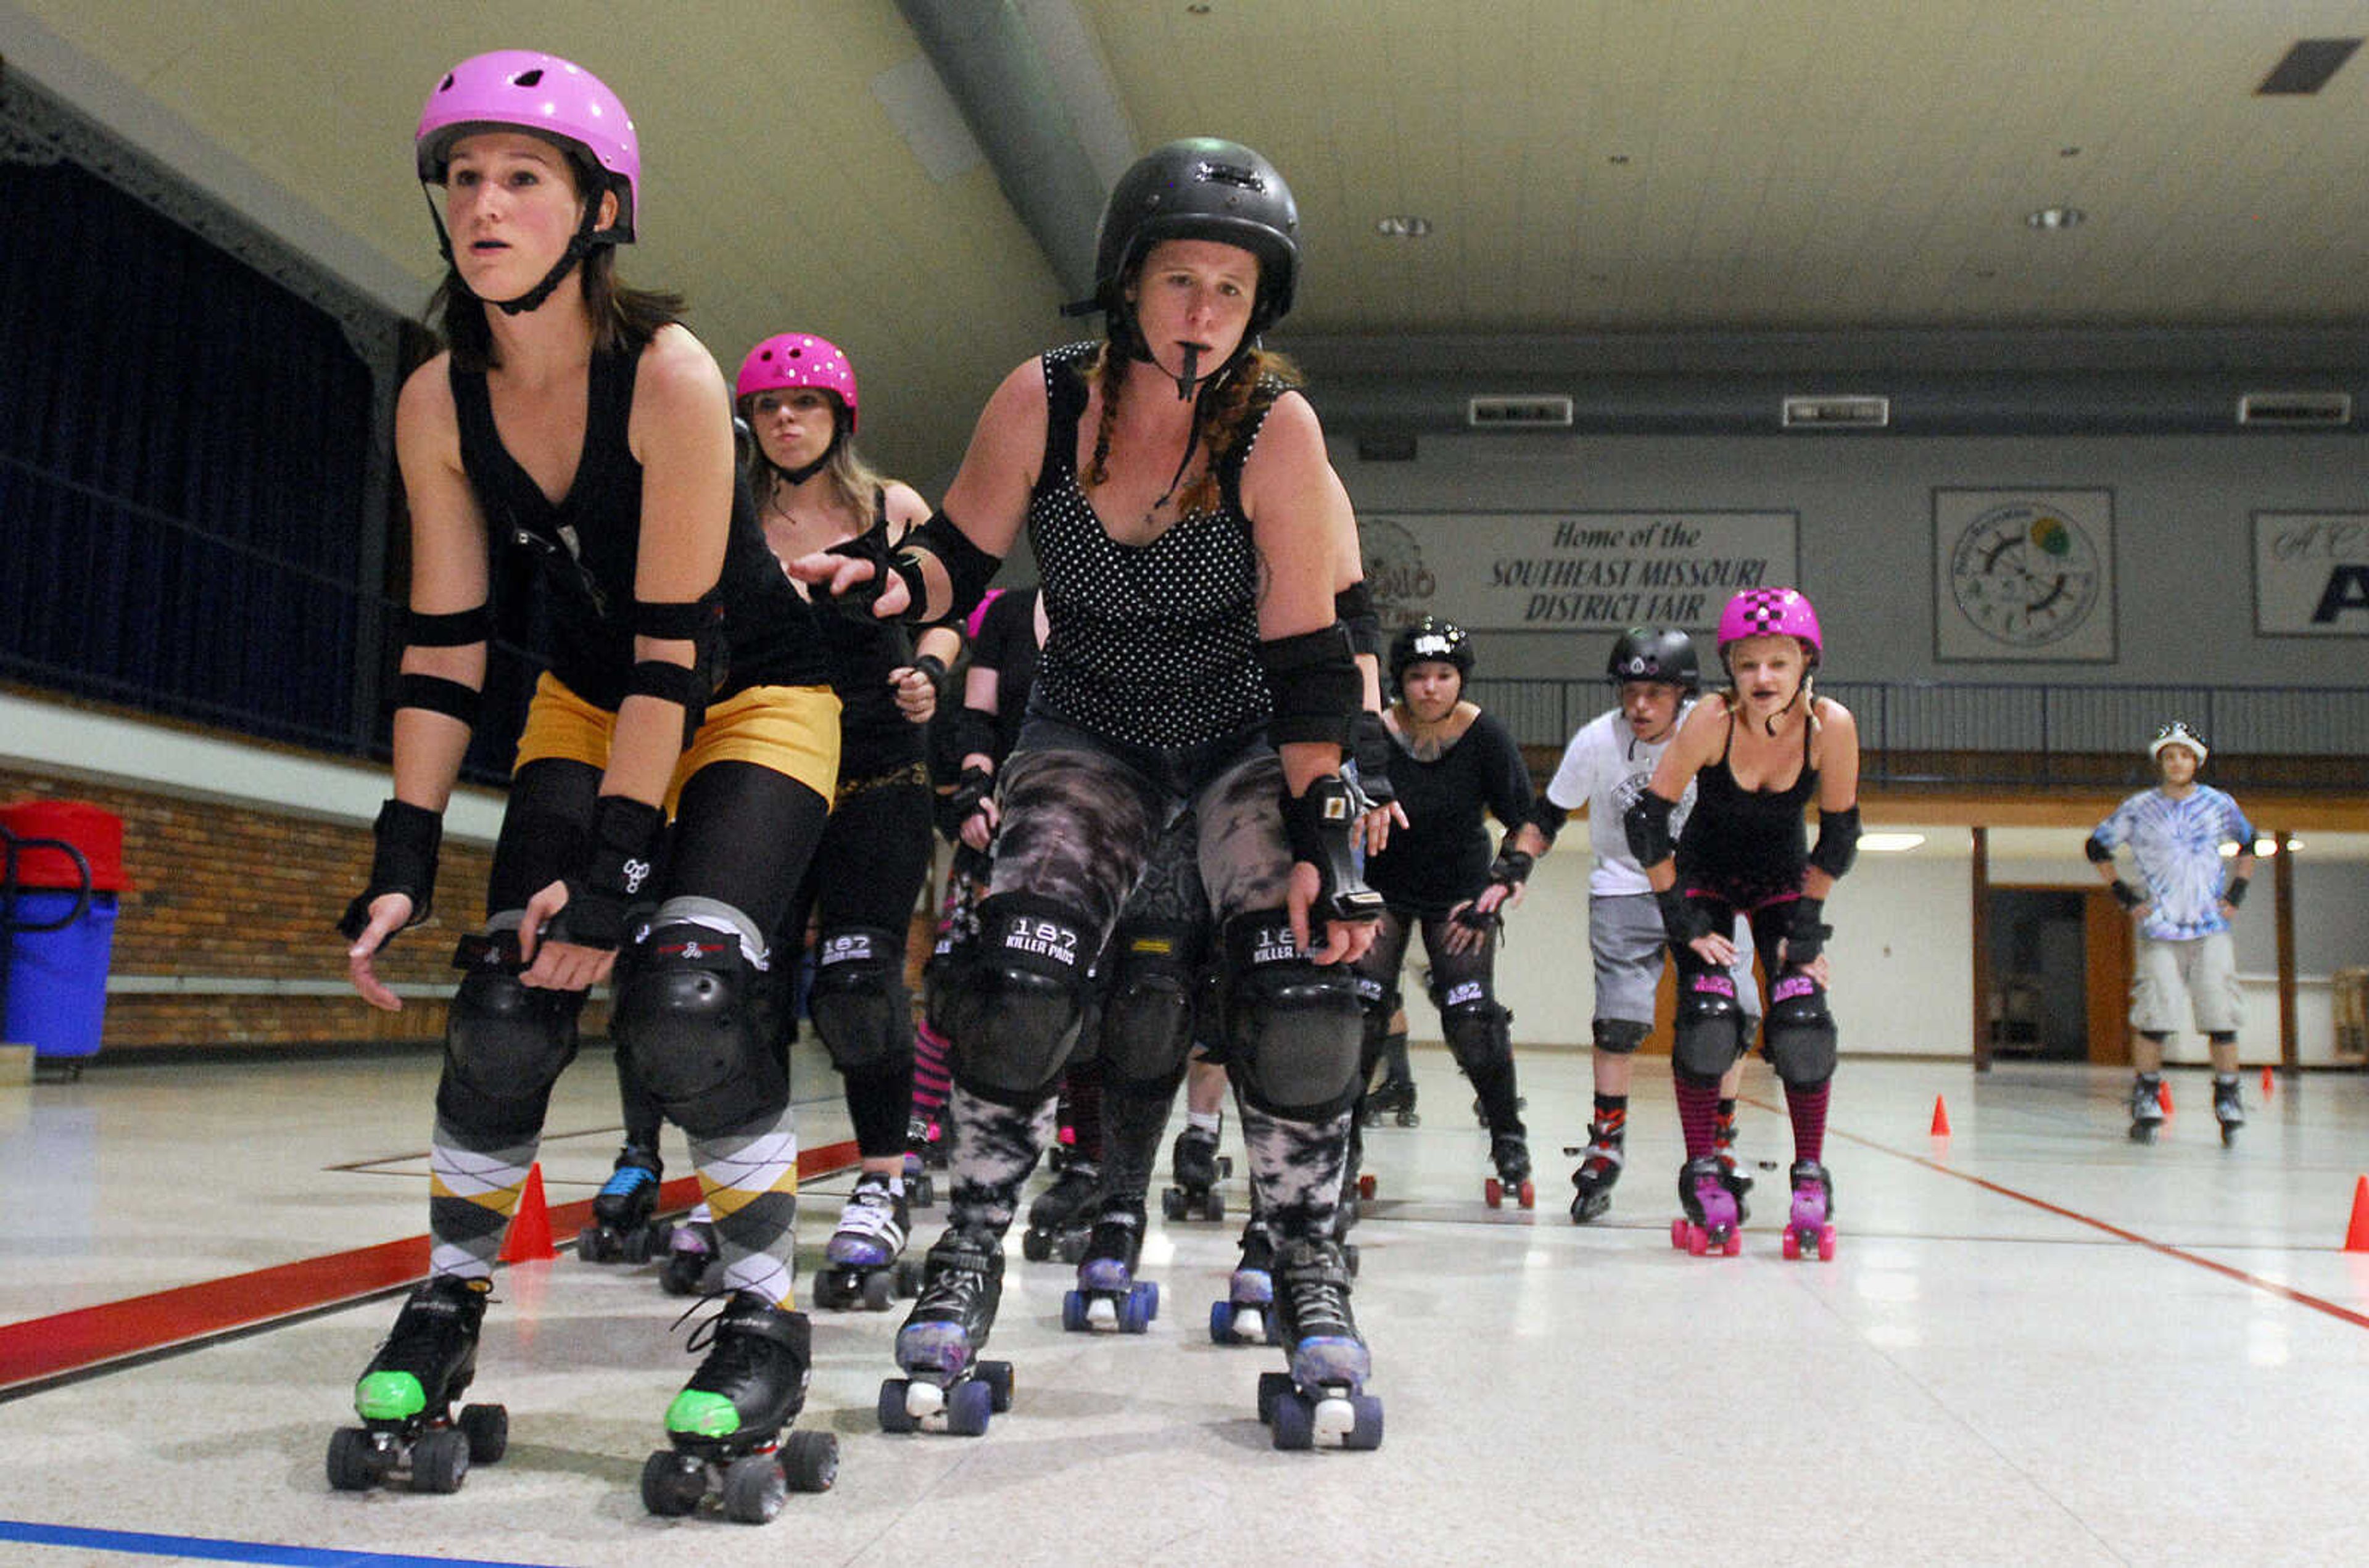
968, 569
1548, 817
1354, 605
1647, 824
1837, 844
1317, 689
2097, 850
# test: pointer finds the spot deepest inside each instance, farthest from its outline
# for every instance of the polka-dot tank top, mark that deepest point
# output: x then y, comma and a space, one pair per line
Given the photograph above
1154, 645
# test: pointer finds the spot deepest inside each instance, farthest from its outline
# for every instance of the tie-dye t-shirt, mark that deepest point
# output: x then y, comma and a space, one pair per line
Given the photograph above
2176, 845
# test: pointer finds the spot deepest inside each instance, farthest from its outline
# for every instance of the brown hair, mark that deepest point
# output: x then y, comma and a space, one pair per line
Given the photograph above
853, 482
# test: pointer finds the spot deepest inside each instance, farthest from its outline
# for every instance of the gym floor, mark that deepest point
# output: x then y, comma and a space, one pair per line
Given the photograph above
2037, 1342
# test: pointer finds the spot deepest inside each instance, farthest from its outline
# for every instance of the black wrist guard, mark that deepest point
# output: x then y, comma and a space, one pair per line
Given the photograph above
1806, 932
940, 678
955, 807
621, 869
872, 545
1316, 825
1369, 748
2127, 896
405, 862
1682, 922
1512, 867
2234, 895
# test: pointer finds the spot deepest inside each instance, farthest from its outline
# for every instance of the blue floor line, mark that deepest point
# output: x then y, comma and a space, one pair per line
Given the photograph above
141, 1544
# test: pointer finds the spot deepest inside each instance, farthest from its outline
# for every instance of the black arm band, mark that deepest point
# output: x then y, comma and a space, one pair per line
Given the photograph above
1369, 746
1647, 825
1837, 844
437, 695
457, 629
2097, 852
955, 806
968, 569
1512, 867
934, 667
668, 681
1354, 607
1317, 689
974, 733
1547, 817
2125, 895
1806, 932
403, 861
2234, 894
699, 620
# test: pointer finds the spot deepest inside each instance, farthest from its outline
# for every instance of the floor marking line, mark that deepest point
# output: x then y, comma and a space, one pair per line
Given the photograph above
144, 1544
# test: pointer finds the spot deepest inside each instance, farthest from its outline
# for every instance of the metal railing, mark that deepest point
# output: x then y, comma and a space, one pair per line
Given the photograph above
1937, 732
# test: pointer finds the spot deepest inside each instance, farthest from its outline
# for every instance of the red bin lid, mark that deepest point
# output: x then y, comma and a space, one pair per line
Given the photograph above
97, 833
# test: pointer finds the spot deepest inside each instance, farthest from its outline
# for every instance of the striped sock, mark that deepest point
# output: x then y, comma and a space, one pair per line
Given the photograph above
1698, 1117
471, 1193
750, 1182
1808, 1109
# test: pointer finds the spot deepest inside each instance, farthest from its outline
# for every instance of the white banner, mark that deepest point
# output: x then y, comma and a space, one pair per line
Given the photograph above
1599, 571
2311, 574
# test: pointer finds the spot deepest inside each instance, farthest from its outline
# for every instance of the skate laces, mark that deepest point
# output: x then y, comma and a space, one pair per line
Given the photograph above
628, 1180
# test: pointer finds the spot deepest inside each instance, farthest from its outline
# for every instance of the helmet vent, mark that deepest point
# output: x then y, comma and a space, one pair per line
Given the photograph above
1229, 174
533, 78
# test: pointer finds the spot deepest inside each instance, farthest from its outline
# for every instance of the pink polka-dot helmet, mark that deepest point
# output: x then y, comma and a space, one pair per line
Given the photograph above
1771, 612
523, 89
798, 359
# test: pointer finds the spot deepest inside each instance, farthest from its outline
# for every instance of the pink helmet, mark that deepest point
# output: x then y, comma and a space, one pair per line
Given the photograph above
1771, 612
798, 359
522, 89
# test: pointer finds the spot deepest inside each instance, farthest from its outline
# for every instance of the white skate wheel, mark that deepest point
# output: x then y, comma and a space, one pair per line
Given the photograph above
1335, 1418
924, 1400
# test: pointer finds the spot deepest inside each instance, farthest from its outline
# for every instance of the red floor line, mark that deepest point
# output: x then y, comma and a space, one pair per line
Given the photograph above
43, 1348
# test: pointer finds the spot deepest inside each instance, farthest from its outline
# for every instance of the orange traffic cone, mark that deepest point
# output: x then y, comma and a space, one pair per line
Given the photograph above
530, 1237
1940, 1118
2163, 1095
2356, 1235
2270, 1080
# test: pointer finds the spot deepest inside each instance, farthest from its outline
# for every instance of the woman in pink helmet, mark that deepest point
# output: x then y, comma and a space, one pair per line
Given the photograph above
575, 434
1759, 756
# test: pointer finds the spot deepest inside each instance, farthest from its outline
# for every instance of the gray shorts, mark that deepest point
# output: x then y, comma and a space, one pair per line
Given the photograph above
1625, 935
2205, 970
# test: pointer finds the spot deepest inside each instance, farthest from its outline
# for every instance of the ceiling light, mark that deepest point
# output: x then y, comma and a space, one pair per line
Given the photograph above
2055, 218
1402, 226
1889, 843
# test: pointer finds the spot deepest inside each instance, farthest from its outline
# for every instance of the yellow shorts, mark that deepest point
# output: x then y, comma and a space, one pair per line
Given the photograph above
792, 729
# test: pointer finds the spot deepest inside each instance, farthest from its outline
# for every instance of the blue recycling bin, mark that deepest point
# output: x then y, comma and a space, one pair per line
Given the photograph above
61, 868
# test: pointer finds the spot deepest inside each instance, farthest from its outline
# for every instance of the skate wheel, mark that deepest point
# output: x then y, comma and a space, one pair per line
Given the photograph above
827, 1294
1366, 1434
590, 1245
1142, 1305
638, 1246
908, 1277
487, 1429
356, 1464
440, 1461
1408, 1119
1792, 1244
1272, 1389
880, 1289
1214, 1207
892, 1412
754, 1489
1221, 1322
1826, 1244
810, 1461
1172, 1203
1493, 1193
1073, 1312
1698, 1241
1679, 1233
1295, 1422
1034, 1245
1225, 1167
1732, 1244
1366, 1186
1529, 1194
997, 1376
969, 1405
672, 1484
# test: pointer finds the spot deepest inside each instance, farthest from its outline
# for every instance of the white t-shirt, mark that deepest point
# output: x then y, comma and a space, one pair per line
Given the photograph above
1605, 768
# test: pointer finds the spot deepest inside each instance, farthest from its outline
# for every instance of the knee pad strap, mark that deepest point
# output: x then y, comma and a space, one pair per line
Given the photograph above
859, 1002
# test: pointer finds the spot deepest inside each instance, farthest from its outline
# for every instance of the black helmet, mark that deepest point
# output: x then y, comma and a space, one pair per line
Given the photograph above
1201, 187
1430, 639
1646, 653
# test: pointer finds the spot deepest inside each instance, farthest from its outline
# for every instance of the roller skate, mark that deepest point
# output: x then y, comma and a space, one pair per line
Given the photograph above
1247, 1314
1709, 1224
1510, 1153
1599, 1171
1108, 1295
946, 1388
920, 1188
2146, 1107
728, 1426
691, 1256
927, 1137
1058, 1219
1322, 1396
624, 1228
1739, 1179
1395, 1096
2228, 1108
405, 1397
861, 1262
1198, 1168
1809, 1229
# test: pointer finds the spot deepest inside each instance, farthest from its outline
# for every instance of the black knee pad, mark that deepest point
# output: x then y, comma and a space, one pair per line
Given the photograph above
1620, 1036
1148, 1001
1292, 1026
1710, 1031
858, 1000
688, 1011
1024, 1002
505, 1042
1800, 1031
1480, 1036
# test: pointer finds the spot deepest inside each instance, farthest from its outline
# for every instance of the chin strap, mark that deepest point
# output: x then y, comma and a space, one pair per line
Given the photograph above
579, 247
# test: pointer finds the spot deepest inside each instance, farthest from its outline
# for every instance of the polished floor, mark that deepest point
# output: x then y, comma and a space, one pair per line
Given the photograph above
2037, 1344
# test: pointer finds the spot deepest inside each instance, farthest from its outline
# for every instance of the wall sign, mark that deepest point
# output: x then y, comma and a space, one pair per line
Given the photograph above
2311, 574
1603, 571
2023, 574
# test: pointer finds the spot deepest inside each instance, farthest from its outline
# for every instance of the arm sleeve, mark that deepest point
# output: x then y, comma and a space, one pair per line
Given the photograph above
1507, 777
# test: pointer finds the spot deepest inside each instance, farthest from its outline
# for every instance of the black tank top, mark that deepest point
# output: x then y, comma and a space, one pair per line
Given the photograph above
874, 737
1154, 644
1442, 856
1747, 846
583, 551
